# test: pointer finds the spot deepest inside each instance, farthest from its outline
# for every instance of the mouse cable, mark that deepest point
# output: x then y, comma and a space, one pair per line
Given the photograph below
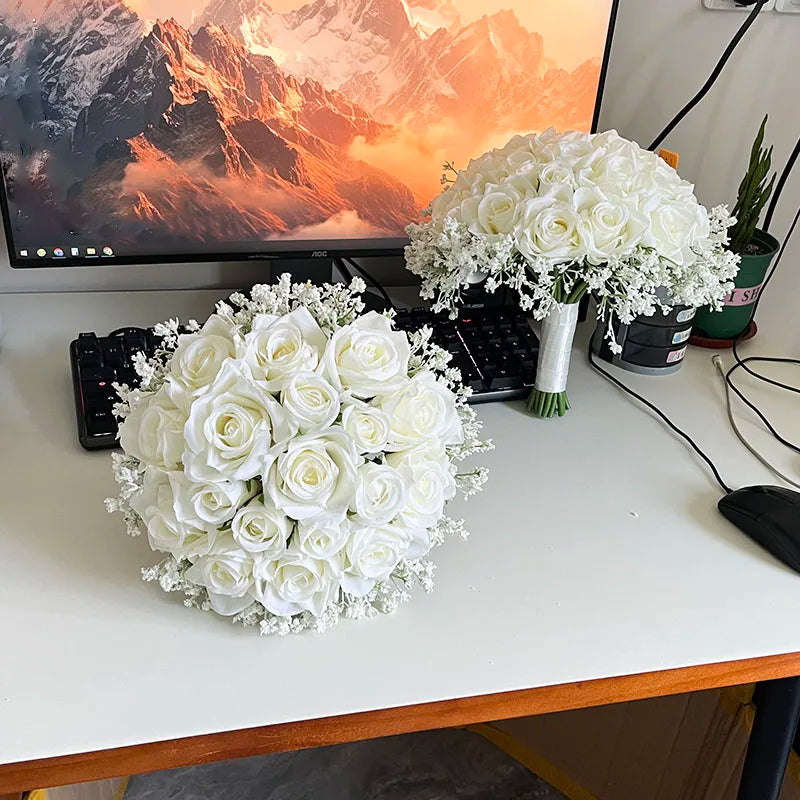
717, 360
620, 385
370, 279
717, 71
743, 363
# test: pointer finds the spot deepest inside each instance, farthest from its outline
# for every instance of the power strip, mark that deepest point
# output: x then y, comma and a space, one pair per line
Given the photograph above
732, 5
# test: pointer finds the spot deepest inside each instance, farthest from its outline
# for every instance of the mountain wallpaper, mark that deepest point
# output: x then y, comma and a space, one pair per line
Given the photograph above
247, 121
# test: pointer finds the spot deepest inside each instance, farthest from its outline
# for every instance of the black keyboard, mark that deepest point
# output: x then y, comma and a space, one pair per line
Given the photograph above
98, 361
494, 347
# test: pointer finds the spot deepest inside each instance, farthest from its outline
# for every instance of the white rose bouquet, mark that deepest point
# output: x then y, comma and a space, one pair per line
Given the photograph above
553, 216
293, 459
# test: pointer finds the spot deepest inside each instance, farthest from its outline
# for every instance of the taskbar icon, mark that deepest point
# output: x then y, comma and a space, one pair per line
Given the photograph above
73, 252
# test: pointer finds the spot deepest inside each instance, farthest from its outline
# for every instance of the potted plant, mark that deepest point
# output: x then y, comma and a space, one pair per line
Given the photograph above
756, 247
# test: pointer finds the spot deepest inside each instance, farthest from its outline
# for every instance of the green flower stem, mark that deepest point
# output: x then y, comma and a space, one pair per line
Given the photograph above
548, 404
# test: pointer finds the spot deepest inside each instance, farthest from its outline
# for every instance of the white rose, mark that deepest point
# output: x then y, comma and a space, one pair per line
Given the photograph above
425, 409
370, 556
322, 540
608, 225
548, 227
276, 348
430, 486
295, 583
522, 159
380, 493
367, 357
155, 504
232, 427
208, 505
555, 173
520, 143
367, 425
675, 225
573, 145
227, 574
419, 542
153, 431
493, 215
491, 167
606, 169
314, 476
311, 401
523, 186
199, 356
258, 528
427, 450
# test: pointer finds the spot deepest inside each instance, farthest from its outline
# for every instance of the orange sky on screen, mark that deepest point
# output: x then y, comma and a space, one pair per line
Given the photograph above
573, 30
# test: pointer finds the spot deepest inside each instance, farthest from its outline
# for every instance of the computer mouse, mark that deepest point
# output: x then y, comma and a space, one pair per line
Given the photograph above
770, 515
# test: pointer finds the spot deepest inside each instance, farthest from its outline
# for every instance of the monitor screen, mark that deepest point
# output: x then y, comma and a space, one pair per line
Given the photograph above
254, 128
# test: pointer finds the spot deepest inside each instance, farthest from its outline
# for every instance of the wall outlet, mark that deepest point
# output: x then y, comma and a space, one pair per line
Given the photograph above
788, 6
732, 5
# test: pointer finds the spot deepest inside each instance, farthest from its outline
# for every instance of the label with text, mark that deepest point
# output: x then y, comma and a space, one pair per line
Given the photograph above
744, 297
685, 316
682, 336
677, 355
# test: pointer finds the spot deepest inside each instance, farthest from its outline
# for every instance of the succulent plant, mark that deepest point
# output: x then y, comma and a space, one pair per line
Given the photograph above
754, 192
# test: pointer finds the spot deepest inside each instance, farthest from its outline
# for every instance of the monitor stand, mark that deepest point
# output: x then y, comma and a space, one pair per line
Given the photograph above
321, 270
316, 270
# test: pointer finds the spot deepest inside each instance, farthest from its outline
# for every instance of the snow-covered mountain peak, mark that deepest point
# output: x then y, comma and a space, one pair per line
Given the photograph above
430, 16
78, 43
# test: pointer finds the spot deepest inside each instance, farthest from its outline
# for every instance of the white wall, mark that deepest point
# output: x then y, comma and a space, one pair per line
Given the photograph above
663, 51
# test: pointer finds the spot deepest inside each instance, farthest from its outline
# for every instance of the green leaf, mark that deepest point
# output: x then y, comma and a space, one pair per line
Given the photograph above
754, 192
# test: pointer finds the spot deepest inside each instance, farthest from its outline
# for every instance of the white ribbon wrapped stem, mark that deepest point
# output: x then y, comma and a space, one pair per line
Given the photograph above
555, 348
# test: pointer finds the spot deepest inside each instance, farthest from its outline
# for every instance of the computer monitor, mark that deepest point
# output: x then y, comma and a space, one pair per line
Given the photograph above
253, 129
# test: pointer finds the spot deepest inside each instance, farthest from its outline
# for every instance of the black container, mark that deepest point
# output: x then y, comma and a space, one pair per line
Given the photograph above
650, 345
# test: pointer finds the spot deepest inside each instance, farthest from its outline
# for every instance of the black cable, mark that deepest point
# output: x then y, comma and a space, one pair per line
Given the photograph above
370, 279
787, 171
751, 18
620, 385
743, 363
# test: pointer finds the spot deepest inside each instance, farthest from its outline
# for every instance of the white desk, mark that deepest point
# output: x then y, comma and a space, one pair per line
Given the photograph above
597, 553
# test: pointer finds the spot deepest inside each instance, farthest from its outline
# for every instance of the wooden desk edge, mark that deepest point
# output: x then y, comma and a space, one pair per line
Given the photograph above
136, 759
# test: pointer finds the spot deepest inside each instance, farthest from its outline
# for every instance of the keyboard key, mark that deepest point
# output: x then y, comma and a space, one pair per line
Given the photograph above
153, 341
528, 374
100, 422
87, 342
128, 376
134, 341
89, 359
98, 374
99, 393
502, 379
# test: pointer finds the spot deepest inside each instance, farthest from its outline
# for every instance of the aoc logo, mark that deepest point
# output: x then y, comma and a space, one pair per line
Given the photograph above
319, 254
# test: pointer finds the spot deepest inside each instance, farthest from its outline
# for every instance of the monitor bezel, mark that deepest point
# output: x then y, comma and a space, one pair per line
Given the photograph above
322, 249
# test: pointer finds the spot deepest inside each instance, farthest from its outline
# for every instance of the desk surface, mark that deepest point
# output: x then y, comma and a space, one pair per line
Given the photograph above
597, 553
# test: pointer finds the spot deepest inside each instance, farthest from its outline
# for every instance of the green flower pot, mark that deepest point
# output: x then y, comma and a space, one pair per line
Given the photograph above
733, 320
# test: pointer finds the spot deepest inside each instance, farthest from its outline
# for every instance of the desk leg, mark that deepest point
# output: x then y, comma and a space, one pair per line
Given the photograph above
774, 728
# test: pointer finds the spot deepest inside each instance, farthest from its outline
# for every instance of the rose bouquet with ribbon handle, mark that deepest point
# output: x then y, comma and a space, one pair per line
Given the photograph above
292, 458
556, 215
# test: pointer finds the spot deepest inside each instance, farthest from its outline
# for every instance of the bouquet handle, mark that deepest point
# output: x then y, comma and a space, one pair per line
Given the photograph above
549, 396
